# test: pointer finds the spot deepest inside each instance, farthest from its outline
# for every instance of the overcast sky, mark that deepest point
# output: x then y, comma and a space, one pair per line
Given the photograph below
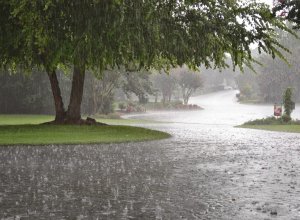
267, 1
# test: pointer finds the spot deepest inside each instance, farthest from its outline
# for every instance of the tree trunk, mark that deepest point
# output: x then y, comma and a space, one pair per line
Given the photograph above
74, 112
58, 102
163, 98
169, 97
184, 96
185, 100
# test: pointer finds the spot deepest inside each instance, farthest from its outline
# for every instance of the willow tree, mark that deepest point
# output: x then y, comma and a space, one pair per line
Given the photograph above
100, 34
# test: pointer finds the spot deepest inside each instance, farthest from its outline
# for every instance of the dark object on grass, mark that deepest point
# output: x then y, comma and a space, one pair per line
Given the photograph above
90, 120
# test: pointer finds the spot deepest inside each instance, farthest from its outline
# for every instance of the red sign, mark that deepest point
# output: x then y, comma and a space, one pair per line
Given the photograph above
277, 110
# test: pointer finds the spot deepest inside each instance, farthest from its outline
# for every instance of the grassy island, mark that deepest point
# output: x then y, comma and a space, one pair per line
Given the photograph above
273, 124
28, 130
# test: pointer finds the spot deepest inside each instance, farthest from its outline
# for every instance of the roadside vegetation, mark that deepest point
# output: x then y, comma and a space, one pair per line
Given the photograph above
273, 76
272, 121
284, 123
273, 124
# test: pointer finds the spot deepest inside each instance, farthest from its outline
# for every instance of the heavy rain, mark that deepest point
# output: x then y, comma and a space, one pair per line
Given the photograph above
149, 110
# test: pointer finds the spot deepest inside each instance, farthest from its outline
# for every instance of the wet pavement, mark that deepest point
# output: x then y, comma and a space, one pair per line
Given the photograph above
208, 170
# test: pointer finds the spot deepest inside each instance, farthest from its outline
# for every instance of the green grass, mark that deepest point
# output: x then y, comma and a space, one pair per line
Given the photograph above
125, 121
26, 130
279, 128
24, 119
38, 119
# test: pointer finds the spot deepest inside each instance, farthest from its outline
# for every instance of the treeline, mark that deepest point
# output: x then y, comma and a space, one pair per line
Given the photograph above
273, 76
31, 94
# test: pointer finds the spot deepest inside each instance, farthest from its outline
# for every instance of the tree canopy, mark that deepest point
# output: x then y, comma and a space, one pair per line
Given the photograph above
95, 34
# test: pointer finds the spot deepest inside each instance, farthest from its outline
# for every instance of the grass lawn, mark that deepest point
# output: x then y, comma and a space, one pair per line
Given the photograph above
280, 128
24, 119
38, 119
25, 130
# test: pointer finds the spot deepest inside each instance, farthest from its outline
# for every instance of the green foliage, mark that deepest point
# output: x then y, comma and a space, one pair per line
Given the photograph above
265, 121
274, 75
139, 33
273, 121
286, 118
102, 90
188, 82
97, 35
121, 106
138, 83
32, 94
288, 104
165, 84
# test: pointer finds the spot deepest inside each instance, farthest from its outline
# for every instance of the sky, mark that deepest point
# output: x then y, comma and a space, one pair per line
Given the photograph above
266, 1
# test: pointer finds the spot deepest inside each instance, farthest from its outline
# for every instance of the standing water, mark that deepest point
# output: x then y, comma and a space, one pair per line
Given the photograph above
208, 170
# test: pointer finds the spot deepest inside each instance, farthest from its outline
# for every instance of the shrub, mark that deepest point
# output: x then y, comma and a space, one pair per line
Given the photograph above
288, 104
284, 120
122, 106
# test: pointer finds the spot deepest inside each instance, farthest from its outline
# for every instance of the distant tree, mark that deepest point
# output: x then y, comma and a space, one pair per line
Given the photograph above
138, 83
274, 76
188, 82
31, 94
246, 91
288, 104
103, 90
166, 84
247, 83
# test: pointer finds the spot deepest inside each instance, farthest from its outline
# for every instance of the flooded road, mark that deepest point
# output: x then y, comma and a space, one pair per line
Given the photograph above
207, 170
